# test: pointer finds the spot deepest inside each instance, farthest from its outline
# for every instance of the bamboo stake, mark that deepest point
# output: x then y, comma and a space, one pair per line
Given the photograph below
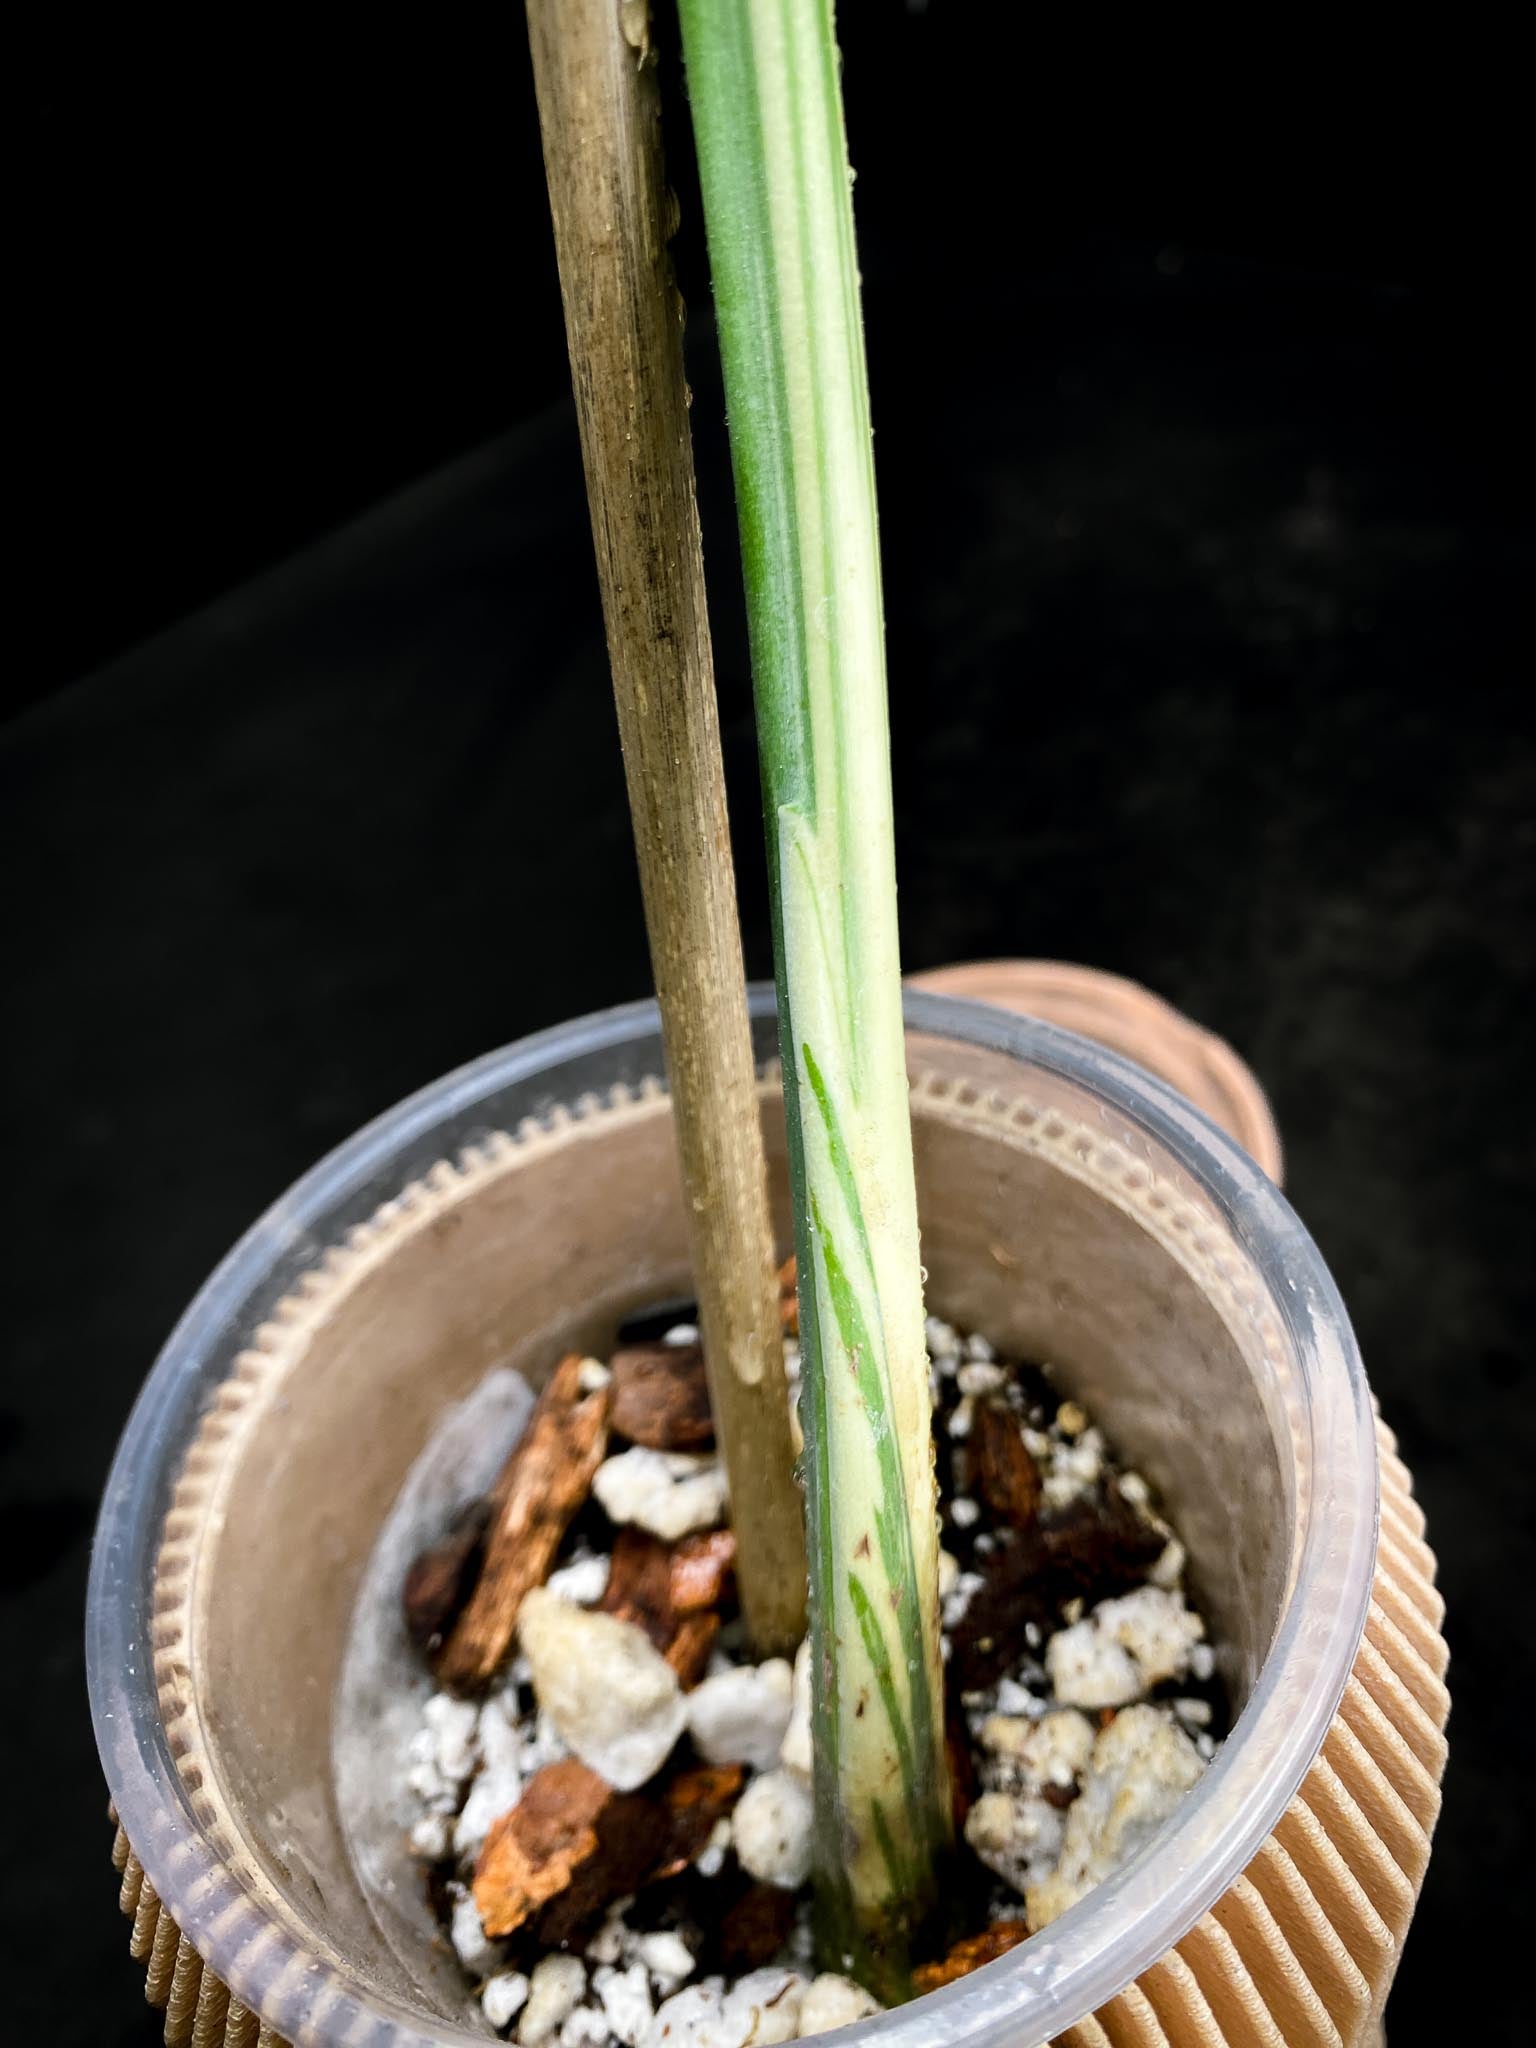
599, 109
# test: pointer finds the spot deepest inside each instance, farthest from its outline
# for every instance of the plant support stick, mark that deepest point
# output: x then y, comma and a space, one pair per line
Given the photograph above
599, 112
762, 80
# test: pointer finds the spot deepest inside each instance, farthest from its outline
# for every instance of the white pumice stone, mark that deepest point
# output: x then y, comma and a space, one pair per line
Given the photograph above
499, 1785
682, 1333
1048, 1750
669, 1493
964, 1512
979, 1349
1168, 1569
771, 1828
942, 1338
492, 1794
1202, 1662
586, 2027
692, 2018
1193, 1713
426, 1781
741, 1715
1156, 1627
795, 1751
962, 1419
980, 1377
592, 1376
1090, 1669
545, 1745
832, 2001
431, 1835
554, 1991
453, 1724
611, 1694
1075, 1468
1017, 1834
710, 1860
625, 1996
959, 1597
1143, 1763
503, 1997
763, 2008
1123, 1648
583, 1581
1013, 1698
668, 1958
473, 1947
609, 1942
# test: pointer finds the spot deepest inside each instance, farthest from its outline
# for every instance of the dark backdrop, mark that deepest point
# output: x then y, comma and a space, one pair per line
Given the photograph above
1204, 475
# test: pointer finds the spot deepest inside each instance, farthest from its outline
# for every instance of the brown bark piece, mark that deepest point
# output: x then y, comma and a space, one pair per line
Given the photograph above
755, 1926
1005, 1474
639, 1588
1086, 1551
442, 1579
694, 1800
970, 1954
625, 1828
641, 1582
532, 1851
661, 1397
688, 1651
569, 1847
543, 1483
701, 1570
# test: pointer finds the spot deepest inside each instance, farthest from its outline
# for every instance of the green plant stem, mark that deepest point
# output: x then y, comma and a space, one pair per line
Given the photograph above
762, 78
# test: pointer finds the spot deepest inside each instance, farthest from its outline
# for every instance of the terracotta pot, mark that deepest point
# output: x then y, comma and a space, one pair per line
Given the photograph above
1073, 1208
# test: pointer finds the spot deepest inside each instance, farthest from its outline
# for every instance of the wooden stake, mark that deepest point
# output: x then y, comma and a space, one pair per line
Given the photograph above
599, 108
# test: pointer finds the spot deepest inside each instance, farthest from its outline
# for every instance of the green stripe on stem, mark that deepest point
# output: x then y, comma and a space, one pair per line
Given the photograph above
763, 87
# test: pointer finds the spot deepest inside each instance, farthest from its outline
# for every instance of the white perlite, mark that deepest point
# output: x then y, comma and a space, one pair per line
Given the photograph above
771, 1828
1050, 1750
758, 2011
1142, 1765
503, 1996
833, 2002
611, 1694
554, 1990
625, 1996
474, 1949
586, 2027
668, 1958
499, 1785
1123, 1648
1019, 1835
431, 1835
741, 1715
583, 1581
451, 1724
670, 1493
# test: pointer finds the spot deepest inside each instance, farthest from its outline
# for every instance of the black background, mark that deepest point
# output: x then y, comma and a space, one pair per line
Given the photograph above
1205, 479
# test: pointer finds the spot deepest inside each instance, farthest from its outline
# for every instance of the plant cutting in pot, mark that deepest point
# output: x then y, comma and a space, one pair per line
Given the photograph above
616, 1783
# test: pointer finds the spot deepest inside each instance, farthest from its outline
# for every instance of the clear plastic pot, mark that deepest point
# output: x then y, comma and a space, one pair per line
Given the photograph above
1073, 1208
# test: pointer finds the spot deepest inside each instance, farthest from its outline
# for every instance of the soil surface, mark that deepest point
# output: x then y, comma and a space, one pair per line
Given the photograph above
612, 1802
